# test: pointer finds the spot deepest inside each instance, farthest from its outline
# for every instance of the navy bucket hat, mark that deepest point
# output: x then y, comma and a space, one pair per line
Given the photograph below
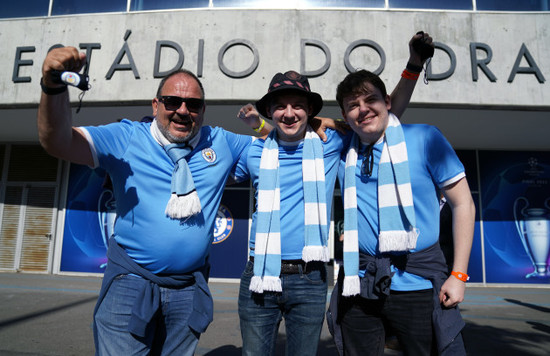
289, 81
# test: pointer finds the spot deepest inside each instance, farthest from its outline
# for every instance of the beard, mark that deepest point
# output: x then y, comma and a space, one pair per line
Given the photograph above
175, 139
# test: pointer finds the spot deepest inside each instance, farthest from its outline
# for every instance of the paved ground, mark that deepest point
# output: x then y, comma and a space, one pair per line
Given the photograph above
51, 315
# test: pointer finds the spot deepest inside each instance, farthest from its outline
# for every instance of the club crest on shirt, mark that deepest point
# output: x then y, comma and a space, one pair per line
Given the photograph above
223, 226
209, 155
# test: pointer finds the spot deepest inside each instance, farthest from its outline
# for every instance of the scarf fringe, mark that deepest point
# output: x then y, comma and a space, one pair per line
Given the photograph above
256, 284
183, 206
397, 241
272, 284
315, 253
352, 286
265, 284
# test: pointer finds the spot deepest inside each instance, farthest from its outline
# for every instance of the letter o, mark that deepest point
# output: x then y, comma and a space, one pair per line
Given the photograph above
367, 43
246, 72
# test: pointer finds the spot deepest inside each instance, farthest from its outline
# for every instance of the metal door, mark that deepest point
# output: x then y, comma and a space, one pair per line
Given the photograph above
28, 190
28, 221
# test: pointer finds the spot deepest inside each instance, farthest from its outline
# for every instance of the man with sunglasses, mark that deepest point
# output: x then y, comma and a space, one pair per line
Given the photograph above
395, 275
168, 177
293, 174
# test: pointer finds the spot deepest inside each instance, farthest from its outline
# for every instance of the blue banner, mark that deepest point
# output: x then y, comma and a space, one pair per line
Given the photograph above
90, 217
516, 214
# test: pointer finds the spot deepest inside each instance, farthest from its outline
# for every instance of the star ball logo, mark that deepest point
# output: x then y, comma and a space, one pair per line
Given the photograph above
534, 169
223, 225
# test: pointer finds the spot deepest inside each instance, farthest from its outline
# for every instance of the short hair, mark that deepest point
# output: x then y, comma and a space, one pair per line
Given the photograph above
176, 72
356, 83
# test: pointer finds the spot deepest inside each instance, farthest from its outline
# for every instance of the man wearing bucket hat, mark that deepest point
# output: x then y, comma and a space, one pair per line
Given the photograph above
293, 173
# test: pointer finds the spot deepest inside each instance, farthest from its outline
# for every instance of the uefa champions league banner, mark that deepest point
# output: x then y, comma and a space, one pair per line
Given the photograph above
515, 189
515, 213
475, 267
90, 216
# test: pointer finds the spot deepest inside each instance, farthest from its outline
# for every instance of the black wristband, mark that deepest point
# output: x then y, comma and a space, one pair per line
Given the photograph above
414, 68
52, 91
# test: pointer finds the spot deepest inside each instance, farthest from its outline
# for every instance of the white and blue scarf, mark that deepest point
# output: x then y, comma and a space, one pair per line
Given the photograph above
267, 253
184, 200
396, 216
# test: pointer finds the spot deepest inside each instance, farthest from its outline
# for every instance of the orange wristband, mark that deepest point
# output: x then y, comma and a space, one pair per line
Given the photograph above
410, 75
462, 276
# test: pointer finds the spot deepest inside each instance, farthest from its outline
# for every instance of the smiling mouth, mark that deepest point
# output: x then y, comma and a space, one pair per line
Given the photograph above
366, 120
288, 123
184, 122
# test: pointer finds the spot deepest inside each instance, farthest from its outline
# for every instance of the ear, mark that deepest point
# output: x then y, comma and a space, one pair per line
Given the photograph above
345, 116
387, 99
155, 104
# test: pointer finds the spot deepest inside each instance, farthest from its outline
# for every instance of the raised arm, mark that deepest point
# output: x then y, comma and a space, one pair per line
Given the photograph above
250, 116
401, 95
55, 131
463, 211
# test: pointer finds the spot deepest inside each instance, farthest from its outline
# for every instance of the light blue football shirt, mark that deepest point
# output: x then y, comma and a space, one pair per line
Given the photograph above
141, 172
433, 164
291, 186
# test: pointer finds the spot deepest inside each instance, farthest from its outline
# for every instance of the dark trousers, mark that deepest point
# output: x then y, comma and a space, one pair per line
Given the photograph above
407, 315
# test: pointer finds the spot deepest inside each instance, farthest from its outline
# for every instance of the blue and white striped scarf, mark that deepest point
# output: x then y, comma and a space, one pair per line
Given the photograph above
267, 254
396, 215
184, 199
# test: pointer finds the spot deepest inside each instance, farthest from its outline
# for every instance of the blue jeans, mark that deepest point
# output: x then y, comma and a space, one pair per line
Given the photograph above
169, 334
302, 303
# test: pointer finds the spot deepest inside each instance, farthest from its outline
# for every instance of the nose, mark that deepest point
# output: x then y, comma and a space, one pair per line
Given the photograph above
363, 107
182, 110
289, 112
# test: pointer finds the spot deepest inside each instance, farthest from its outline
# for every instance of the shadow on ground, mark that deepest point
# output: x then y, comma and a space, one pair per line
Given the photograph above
488, 340
326, 348
481, 340
41, 313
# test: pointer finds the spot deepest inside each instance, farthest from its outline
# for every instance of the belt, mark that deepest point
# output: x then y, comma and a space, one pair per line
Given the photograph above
297, 266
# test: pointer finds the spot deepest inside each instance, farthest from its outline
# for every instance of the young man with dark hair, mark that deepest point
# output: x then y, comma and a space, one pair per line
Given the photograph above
394, 271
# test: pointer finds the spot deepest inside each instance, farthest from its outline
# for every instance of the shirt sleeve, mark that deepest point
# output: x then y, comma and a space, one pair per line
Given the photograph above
108, 142
237, 144
240, 171
443, 163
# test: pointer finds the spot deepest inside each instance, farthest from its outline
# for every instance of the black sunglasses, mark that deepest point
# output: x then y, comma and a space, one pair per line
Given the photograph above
368, 161
173, 103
